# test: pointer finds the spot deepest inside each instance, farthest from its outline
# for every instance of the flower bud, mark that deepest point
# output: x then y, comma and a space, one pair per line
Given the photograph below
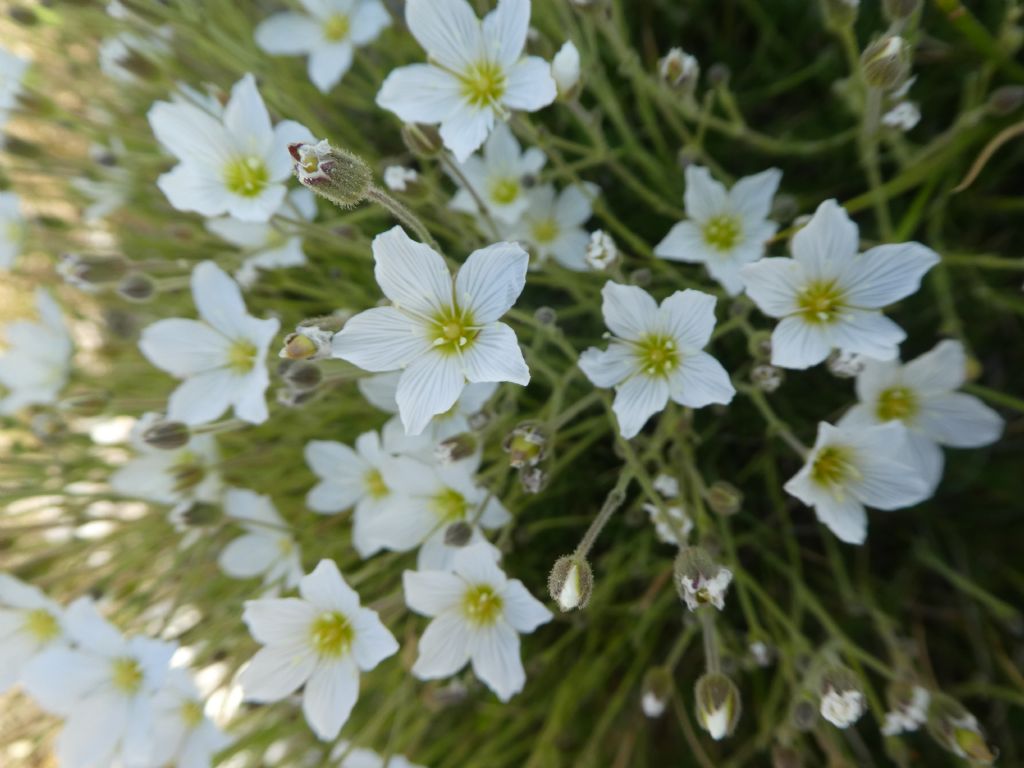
295, 398
424, 141
310, 341
840, 13
718, 705
842, 700
908, 708
786, 757
656, 691
91, 271
456, 448
957, 730
570, 582
885, 63
766, 377
526, 446
1006, 99
760, 345
602, 252
86, 404
545, 316
719, 74
900, 10
302, 375
666, 485
640, 277
724, 498
458, 534
700, 580
200, 514
845, 365
533, 479
565, 69
803, 715
334, 174
679, 70
166, 435
136, 286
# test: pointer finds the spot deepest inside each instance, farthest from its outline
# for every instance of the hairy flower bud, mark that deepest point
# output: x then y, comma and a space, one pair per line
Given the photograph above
804, 714
166, 435
656, 691
699, 579
957, 730
458, 534
526, 445
423, 141
311, 339
334, 174
840, 13
842, 699
718, 705
724, 498
679, 70
137, 286
886, 63
565, 69
570, 582
456, 448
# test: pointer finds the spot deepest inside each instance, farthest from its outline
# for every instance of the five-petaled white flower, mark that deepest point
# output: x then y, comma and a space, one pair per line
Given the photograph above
267, 547
478, 616
477, 72
30, 623
236, 163
328, 32
322, 640
921, 394
853, 467
725, 229
36, 365
655, 354
442, 332
12, 229
182, 733
222, 357
104, 688
499, 177
830, 297
552, 225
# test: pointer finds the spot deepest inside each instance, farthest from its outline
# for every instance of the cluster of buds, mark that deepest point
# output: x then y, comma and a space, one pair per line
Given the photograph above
700, 580
842, 699
718, 705
334, 174
571, 582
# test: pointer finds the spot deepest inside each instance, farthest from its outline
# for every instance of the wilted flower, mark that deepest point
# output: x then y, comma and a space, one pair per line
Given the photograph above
602, 252
700, 580
679, 70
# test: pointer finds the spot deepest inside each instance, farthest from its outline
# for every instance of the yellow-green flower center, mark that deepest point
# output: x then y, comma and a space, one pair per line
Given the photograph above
504, 191
285, 546
454, 330
246, 176
450, 506
375, 485
820, 302
191, 714
241, 356
331, 634
337, 27
833, 466
545, 230
126, 675
481, 605
722, 232
42, 625
483, 84
657, 355
896, 404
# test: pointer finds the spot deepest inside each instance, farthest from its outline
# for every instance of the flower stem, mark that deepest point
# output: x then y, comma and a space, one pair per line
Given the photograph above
404, 215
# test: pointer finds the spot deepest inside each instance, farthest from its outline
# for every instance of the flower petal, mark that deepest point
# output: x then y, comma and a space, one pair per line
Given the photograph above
636, 400
689, 316
443, 648
491, 280
249, 555
887, 273
330, 695
430, 385
504, 30
373, 642
798, 344
495, 654
328, 64
420, 93
704, 197
774, 284
494, 355
752, 196
959, 420
465, 129
411, 274
523, 611
287, 34
942, 369
247, 120
529, 85
368, 20
826, 244
701, 380
608, 367
431, 593
867, 332
629, 311
277, 671
327, 590
380, 339
183, 347
684, 242
448, 30
202, 398
279, 621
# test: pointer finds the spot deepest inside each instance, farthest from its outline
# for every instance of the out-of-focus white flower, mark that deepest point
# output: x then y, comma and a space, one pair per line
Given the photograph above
922, 396
329, 32
37, 362
725, 229
656, 354
182, 733
266, 548
234, 163
30, 623
829, 296
910, 715
845, 365
705, 589
499, 176
842, 708
476, 75
267, 245
12, 229
602, 251
666, 485
321, 640
441, 332
904, 116
677, 519
565, 69
478, 616
221, 357
552, 225
12, 71
103, 688
347, 756
853, 467
398, 178
679, 69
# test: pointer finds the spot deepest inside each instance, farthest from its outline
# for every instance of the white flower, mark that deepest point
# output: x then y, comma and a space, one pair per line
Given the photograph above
652, 704
904, 116
182, 733
321, 640
478, 615
37, 362
552, 226
236, 163
348, 756
268, 246
266, 548
666, 485
381, 390
398, 178
698, 589
104, 689
665, 525
724, 229
922, 395
187, 474
565, 69
221, 357
679, 69
909, 715
655, 354
12, 71
12, 229
442, 333
602, 251
328, 32
30, 623
830, 297
842, 708
499, 176
853, 467
477, 72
